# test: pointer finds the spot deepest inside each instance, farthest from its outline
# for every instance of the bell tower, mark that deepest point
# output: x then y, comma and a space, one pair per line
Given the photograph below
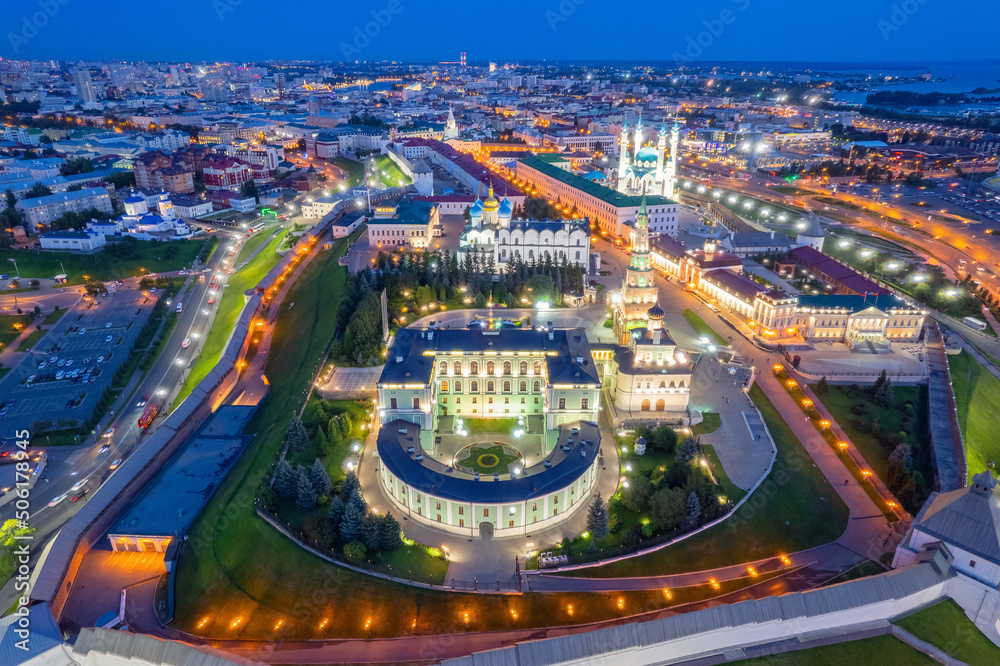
639, 290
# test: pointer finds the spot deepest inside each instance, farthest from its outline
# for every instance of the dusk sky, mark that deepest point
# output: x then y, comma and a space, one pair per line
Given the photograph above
876, 31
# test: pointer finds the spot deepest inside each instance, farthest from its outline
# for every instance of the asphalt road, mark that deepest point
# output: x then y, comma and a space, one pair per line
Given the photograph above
68, 465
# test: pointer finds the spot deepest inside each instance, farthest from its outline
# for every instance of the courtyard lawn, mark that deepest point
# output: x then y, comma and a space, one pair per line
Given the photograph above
478, 426
797, 509
977, 396
945, 626
11, 327
230, 306
840, 399
703, 329
487, 459
877, 649
155, 257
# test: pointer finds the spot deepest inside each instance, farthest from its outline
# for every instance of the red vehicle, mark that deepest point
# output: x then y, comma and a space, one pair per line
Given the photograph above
148, 415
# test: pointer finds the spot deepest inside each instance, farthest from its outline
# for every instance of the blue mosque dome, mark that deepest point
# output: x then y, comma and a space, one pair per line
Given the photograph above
595, 176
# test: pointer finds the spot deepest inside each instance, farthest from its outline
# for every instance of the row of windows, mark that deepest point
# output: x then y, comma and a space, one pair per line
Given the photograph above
491, 367
663, 384
393, 404
475, 401
457, 386
396, 232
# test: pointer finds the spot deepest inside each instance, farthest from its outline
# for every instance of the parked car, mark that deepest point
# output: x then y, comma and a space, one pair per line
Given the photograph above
60, 375
107, 339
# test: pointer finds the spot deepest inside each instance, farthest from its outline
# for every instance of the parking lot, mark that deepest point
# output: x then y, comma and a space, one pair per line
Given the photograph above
63, 378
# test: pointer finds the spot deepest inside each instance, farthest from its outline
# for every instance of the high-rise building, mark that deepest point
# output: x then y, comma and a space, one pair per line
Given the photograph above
85, 90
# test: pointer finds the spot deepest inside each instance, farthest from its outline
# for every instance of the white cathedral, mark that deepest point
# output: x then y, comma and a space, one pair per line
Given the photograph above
493, 229
648, 171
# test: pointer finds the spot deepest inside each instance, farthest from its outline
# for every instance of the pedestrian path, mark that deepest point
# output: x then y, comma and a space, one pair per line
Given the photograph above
946, 438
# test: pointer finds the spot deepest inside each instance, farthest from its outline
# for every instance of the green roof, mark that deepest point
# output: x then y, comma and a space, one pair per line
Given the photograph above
605, 194
552, 158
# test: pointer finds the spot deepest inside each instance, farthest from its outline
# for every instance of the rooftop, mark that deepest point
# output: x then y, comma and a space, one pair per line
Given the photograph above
605, 194
571, 457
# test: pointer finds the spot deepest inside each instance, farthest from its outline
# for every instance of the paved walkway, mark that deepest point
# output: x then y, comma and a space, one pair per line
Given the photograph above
949, 456
867, 528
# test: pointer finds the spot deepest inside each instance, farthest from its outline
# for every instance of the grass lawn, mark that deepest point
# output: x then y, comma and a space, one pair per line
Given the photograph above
839, 400
977, 395
30, 341
945, 626
487, 460
155, 257
794, 191
339, 450
355, 170
255, 241
703, 329
53, 316
391, 174
797, 509
230, 306
733, 492
476, 426
877, 649
11, 327
712, 422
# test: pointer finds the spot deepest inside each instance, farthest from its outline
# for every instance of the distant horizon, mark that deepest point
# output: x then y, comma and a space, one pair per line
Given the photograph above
867, 64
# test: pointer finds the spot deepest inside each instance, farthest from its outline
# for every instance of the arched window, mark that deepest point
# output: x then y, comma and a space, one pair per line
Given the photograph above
490, 387
659, 405
672, 384
506, 367
645, 406
524, 367
538, 367
578, 255
663, 384
444, 385
474, 367
458, 386
458, 367
524, 387
490, 367
682, 384
506, 386
475, 387
443, 367
537, 386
